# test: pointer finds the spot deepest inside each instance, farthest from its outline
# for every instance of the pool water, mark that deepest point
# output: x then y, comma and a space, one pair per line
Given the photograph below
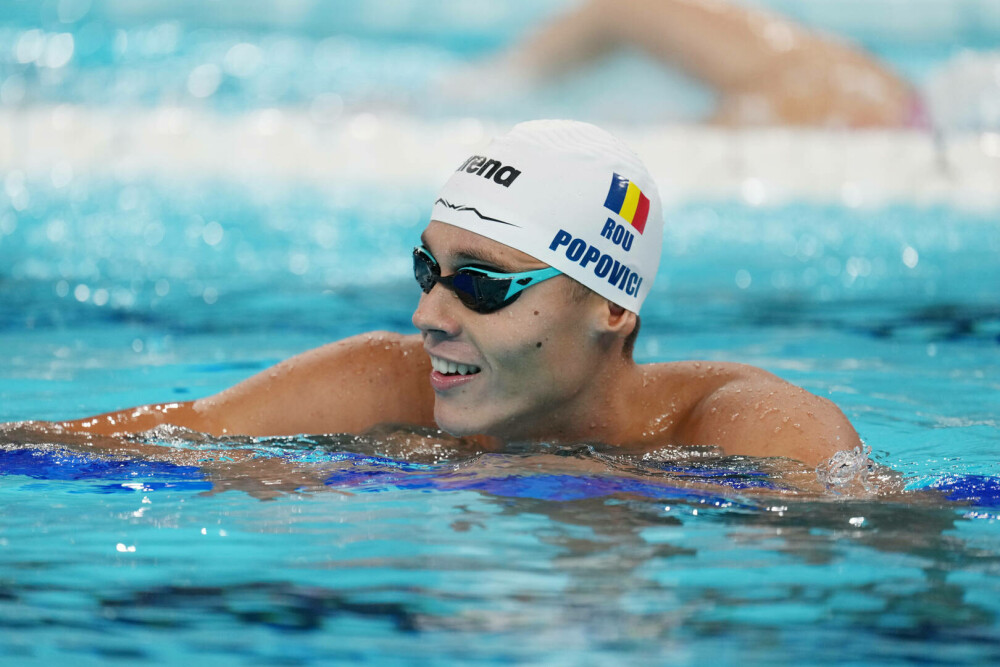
128, 277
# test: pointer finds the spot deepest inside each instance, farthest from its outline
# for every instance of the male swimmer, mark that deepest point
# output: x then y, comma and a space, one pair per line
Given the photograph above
766, 68
540, 252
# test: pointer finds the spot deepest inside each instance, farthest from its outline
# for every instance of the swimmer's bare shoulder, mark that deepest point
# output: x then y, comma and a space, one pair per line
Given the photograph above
745, 411
343, 387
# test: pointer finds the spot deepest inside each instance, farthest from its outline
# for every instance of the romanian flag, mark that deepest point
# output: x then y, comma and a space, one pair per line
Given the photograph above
626, 199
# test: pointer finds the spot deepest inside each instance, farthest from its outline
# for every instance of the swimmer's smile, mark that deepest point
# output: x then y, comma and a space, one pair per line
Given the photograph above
447, 374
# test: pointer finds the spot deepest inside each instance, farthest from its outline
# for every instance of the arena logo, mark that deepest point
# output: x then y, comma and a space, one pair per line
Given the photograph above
487, 167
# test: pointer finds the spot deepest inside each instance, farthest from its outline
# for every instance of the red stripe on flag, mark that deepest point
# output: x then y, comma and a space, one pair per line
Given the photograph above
641, 211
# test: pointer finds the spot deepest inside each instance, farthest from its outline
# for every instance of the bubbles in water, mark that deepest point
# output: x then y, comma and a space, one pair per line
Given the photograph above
212, 233
55, 231
243, 60
29, 46
743, 279
846, 468
204, 80
58, 51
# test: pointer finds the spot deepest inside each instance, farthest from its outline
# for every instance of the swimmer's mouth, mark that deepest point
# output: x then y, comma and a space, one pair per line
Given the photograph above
446, 367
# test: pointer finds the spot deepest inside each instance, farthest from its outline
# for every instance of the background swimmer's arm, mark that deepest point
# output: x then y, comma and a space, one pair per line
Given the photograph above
344, 387
759, 414
766, 67
721, 43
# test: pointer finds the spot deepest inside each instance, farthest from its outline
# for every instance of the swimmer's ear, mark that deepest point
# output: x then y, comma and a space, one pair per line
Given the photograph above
613, 321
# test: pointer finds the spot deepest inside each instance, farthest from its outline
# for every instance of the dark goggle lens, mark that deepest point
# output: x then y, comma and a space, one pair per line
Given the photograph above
489, 292
477, 292
424, 270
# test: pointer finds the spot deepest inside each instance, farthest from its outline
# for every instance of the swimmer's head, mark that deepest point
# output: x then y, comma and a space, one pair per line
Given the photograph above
570, 195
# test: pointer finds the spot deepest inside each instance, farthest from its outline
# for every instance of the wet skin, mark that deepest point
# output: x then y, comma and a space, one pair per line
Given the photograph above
551, 368
545, 360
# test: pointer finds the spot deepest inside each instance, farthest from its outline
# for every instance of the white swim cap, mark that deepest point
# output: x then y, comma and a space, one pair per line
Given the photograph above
569, 194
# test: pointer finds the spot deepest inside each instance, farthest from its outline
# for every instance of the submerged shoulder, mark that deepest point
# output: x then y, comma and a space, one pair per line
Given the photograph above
748, 411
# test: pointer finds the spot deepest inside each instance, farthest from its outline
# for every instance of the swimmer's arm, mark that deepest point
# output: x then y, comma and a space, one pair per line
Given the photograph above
721, 43
758, 414
344, 387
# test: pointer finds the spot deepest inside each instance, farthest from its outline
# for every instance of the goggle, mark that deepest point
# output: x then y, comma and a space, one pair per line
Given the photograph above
478, 289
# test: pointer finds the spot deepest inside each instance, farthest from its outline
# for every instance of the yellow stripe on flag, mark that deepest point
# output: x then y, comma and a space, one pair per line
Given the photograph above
631, 202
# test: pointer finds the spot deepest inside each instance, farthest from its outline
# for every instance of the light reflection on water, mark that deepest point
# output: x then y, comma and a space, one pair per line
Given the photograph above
120, 286
430, 554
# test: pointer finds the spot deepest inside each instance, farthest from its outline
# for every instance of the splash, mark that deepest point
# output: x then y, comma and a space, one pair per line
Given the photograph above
849, 472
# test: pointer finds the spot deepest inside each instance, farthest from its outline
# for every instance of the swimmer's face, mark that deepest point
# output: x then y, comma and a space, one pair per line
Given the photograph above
528, 366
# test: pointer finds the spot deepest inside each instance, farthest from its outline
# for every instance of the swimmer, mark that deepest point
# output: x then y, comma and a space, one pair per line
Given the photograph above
540, 251
765, 68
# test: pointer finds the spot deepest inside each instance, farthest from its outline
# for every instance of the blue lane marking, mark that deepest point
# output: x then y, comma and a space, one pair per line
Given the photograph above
978, 490
69, 466
367, 473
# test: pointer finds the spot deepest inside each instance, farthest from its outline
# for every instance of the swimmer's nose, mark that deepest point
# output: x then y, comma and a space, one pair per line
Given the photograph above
436, 312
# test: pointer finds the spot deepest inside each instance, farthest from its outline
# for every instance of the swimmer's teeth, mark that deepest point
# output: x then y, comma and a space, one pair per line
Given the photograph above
452, 368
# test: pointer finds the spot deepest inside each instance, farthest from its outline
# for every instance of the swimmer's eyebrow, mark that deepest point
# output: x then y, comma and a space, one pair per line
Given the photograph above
483, 258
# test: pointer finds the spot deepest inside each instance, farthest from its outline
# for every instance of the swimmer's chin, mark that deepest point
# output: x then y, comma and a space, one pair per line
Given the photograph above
466, 428
459, 429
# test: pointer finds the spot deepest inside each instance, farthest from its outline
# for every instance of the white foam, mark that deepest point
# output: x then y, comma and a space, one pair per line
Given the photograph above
760, 167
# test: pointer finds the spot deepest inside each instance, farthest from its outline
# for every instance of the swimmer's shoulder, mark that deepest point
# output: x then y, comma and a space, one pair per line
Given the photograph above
748, 411
343, 387
372, 357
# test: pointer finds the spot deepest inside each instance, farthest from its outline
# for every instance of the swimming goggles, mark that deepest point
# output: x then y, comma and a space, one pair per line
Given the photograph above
478, 289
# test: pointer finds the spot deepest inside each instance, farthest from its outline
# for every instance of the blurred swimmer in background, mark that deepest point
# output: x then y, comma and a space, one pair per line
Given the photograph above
766, 69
